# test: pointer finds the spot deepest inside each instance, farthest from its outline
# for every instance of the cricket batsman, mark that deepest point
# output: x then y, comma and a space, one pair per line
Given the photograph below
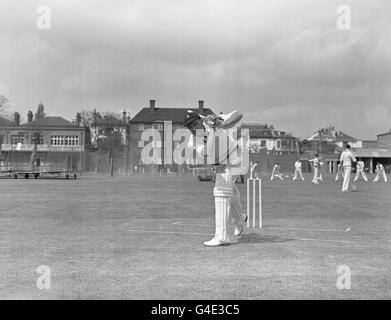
226, 194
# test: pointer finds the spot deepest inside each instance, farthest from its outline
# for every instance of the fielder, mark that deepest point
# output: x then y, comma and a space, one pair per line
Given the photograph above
339, 173
347, 158
227, 197
298, 170
276, 172
316, 164
321, 164
380, 171
253, 172
360, 170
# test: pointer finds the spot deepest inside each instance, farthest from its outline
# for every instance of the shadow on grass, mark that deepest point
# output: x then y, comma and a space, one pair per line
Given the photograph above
258, 238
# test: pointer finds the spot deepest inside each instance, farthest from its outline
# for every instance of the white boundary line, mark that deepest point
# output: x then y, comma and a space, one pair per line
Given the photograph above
210, 234
179, 223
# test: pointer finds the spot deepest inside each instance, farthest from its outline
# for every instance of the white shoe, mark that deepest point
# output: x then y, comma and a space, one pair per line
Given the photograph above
215, 243
238, 230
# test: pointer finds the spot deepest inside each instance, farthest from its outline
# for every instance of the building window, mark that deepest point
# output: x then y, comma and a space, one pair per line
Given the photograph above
71, 140
278, 144
284, 144
57, 140
141, 144
140, 127
40, 141
17, 139
263, 143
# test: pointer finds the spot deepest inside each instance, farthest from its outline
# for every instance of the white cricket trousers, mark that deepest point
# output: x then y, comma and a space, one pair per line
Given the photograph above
227, 205
377, 177
346, 178
316, 173
360, 171
298, 172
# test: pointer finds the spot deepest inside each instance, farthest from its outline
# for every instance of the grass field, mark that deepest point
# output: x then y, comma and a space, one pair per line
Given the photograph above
141, 237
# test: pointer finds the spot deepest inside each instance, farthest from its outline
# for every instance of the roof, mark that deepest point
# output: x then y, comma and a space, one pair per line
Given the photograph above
263, 131
372, 153
58, 122
5, 122
385, 133
176, 115
330, 134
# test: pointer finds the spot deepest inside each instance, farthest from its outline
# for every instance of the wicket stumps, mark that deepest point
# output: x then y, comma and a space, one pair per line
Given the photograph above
254, 195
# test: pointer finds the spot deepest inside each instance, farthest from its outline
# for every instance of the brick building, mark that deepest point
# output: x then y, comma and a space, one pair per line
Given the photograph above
154, 117
269, 146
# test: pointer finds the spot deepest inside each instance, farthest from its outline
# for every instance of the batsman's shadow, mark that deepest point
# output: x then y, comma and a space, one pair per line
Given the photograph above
260, 238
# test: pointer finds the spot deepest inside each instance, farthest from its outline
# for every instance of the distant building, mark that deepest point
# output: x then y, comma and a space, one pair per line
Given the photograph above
384, 140
59, 143
154, 117
379, 152
269, 146
328, 143
371, 156
369, 144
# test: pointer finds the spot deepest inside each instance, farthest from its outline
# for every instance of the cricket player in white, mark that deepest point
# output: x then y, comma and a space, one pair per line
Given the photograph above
298, 170
316, 164
339, 173
380, 171
276, 172
253, 172
227, 197
360, 170
321, 164
347, 159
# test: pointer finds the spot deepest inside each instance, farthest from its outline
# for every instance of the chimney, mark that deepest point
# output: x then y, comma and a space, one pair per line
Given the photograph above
16, 119
152, 106
201, 106
78, 119
94, 116
29, 116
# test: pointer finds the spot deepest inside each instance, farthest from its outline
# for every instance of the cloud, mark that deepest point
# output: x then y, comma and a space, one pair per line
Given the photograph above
281, 62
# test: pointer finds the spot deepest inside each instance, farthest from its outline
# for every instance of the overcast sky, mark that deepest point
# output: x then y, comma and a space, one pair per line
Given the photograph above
279, 62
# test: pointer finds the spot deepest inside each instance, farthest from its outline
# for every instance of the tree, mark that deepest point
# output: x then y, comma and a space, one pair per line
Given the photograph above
36, 140
40, 114
4, 105
86, 121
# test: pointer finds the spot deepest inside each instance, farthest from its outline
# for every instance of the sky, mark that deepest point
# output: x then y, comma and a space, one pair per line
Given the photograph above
278, 62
